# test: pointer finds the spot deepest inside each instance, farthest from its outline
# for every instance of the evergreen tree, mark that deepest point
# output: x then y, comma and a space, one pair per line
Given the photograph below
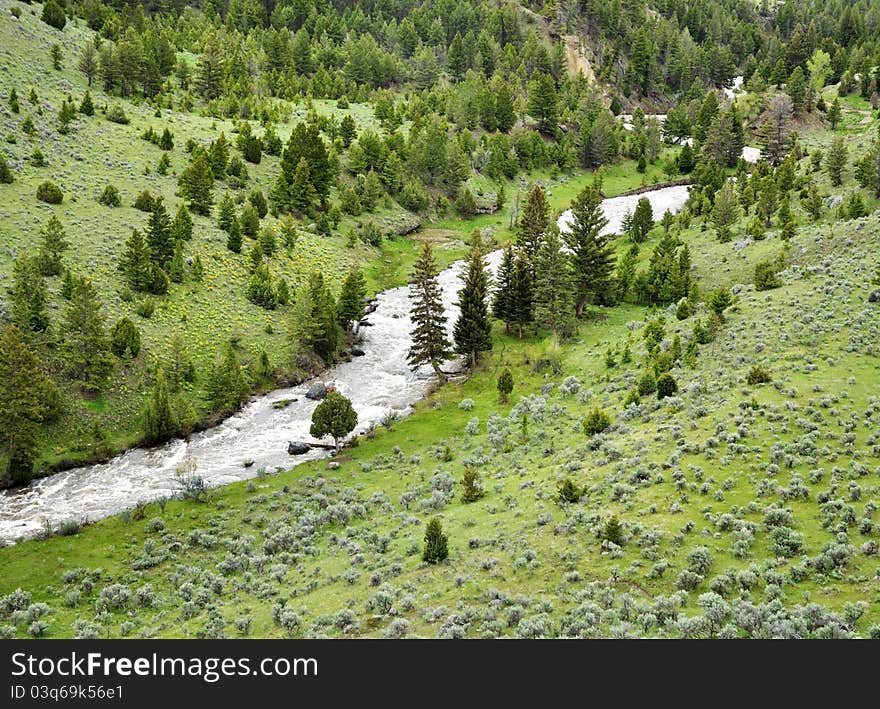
29, 295
351, 298
182, 226
53, 15
260, 290
456, 58
177, 266
725, 211
136, 262
834, 113
305, 143
592, 254
85, 346
835, 161
196, 184
303, 194
125, 338
533, 223
226, 387
179, 365
233, 241
625, 273
473, 329
303, 330
218, 157
197, 270
505, 112
326, 337
209, 76
87, 108
334, 416
543, 102
470, 481
88, 62
225, 212
522, 293
505, 385
54, 244
159, 234
5, 173
642, 220
554, 288
436, 542
502, 302
27, 400
429, 341
160, 423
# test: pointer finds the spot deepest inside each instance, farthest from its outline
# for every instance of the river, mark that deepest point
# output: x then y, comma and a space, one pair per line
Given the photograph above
376, 383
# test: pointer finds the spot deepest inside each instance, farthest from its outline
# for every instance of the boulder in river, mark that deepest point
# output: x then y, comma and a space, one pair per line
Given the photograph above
357, 352
298, 448
873, 298
317, 391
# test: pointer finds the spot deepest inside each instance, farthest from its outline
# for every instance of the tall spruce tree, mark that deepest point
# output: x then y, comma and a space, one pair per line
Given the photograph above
554, 286
196, 184
502, 302
86, 347
351, 298
135, 262
533, 223
522, 288
29, 295
326, 337
226, 387
160, 424
182, 226
473, 329
592, 254
430, 344
159, 234
27, 397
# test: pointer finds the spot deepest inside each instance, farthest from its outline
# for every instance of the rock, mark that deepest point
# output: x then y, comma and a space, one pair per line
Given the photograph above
874, 297
333, 465
357, 352
248, 463
317, 391
298, 448
834, 202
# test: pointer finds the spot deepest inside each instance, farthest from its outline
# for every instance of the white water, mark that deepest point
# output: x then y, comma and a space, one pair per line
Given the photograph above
376, 383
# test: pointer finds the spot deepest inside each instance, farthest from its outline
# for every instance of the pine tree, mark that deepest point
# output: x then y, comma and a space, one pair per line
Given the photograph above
209, 76
88, 62
642, 221
554, 292
351, 298
218, 157
473, 329
260, 290
196, 184
725, 211
136, 262
502, 307
471, 491
27, 400
160, 424
543, 102
592, 255
625, 273
505, 385
835, 161
54, 244
179, 365
429, 341
159, 234
177, 266
334, 416
324, 317
456, 59
5, 173
305, 143
436, 543
182, 226
834, 113
233, 241
225, 212
29, 295
85, 347
125, 338
87, 108
226, 387
522, 293
303, 330
533, 223
505, 113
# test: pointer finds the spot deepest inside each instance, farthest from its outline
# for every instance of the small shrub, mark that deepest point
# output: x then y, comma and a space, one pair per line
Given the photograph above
569, 491
144, 201
765, 276
666, 386
596, 422
436, 542
470, 483
116, 114
110, 197
50, 193
758, 375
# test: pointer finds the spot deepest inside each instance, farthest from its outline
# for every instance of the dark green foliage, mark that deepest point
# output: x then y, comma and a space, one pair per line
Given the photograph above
666, 386
668, 277
53, 15
521, 294
182, 226
86, 107
758, 375
719, 300
502, 301
258, 201
268, 242
233, 241
135, 262
110, 197
6, 177
116, 114
647, 383
569, 492
53, 246
144, 201
226, 212
177, 266
471, 491
592, 254
260, 290
533, 223
351, 298
765, 276
197, 270
226, 387
166, 142
196, 184
413, 196
596, 422
473, 329
85, 347
249, 220
160, 423
50, 193
642, 221
554, 287
429, 342
29, 295
835, 161
159, 239
28, 398
315, 177
505, 385
834, 113
613, 531
334, 416
125, 339
436, 542
543, 102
